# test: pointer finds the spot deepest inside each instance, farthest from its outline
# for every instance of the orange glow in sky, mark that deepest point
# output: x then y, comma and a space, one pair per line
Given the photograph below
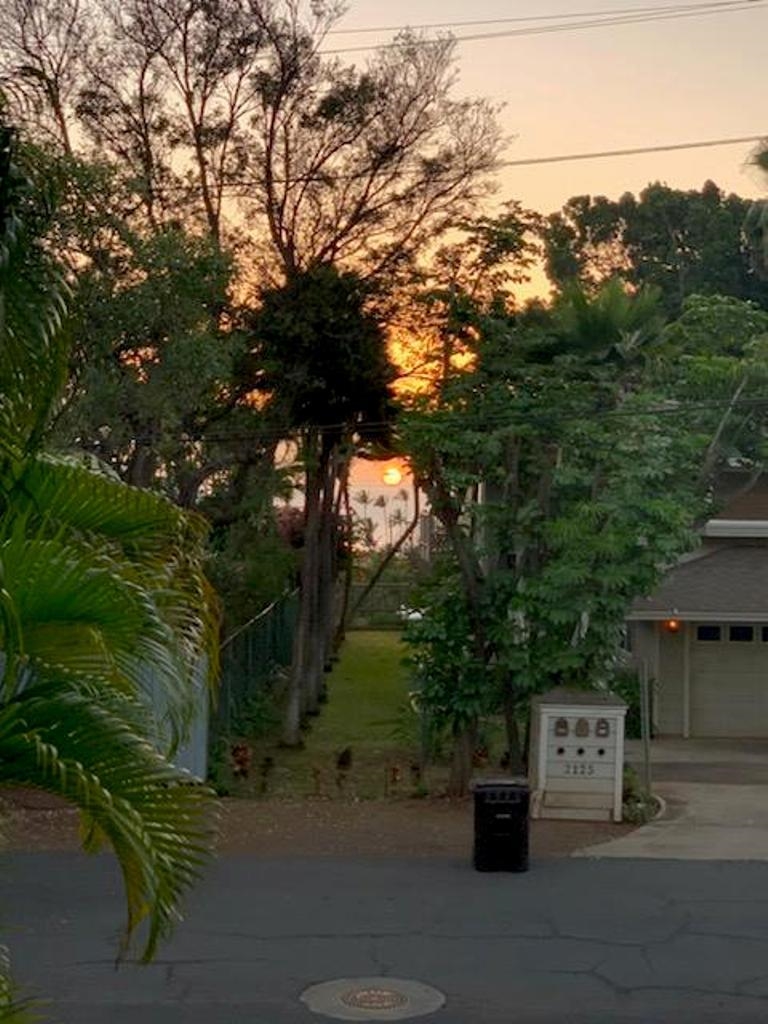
604, 88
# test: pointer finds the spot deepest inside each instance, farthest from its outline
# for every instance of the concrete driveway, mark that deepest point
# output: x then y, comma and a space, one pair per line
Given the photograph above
715, 794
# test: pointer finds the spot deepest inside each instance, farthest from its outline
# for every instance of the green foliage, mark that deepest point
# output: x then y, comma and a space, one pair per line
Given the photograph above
611, 324
714, 357
249, 568
319, 351
258, 715
154, 370
14, 1008
682, 242
588, 496
711, 325
104, 613
453, 686
33, 353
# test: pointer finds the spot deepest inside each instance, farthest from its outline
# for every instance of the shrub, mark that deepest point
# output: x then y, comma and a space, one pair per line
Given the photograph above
626, 684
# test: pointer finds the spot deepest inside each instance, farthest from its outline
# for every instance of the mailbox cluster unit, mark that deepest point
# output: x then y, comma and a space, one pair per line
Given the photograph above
577, 755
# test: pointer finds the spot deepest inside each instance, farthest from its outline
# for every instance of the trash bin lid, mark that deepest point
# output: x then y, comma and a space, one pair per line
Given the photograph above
502, 782
503, 791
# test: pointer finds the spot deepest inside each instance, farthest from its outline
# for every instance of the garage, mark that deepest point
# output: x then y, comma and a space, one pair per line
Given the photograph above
729, 680
702, 638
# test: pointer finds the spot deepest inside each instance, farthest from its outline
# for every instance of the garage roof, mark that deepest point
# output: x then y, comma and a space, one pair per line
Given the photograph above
729, 584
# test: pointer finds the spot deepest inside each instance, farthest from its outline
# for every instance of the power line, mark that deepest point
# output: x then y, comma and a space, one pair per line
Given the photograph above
737, 5
565, 157
167, 190
535, 17
757, 403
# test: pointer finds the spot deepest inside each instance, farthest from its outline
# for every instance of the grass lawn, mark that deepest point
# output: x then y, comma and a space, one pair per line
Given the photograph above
367, 715
367, 689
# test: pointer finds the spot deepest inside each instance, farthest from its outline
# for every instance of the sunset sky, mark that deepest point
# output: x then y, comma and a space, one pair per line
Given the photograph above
662, 82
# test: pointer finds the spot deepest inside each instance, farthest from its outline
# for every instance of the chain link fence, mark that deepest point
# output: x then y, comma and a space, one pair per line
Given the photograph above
252, 659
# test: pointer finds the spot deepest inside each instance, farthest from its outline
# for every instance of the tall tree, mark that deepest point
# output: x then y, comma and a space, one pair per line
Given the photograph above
222, 127
588, 492
322, 358
683, 242
213, 109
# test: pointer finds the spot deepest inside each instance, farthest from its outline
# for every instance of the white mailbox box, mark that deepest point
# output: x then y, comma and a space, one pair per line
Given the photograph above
577, 755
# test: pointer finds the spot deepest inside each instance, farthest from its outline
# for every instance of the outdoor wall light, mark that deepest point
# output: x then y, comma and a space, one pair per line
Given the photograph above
672, 625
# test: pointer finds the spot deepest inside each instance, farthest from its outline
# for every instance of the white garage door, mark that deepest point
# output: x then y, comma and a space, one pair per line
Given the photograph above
729, 682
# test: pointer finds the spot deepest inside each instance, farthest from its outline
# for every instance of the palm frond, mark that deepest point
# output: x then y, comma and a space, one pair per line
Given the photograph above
14, 1009
71, 493
54, 582
104, 610
33, 305
83, 743
140, 530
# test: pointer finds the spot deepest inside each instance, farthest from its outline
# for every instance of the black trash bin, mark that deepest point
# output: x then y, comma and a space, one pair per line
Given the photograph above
501, 825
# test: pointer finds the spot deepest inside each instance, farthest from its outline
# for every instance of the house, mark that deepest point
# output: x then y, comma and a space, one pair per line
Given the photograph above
702, 636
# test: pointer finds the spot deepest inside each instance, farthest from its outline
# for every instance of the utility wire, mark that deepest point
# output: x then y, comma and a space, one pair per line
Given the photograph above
738, 5
565, 157
168, 189
680, 409
535, 17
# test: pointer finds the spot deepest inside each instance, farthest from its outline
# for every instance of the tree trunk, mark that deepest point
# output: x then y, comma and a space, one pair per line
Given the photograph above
514, 744
464, 744
299, 683
323, 582
349, 566
328, 560
142, 467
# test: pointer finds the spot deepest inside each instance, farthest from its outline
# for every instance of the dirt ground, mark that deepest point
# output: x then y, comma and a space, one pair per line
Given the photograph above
271, 828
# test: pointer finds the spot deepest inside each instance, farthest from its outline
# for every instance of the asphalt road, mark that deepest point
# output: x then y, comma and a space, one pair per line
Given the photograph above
571, 941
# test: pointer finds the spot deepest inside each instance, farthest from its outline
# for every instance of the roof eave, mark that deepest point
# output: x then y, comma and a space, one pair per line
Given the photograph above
657, 615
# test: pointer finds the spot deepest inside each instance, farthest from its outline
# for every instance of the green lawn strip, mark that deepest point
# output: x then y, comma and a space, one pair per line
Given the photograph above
367, 692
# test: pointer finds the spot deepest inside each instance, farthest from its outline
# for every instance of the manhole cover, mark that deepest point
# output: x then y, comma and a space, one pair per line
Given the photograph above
372, 998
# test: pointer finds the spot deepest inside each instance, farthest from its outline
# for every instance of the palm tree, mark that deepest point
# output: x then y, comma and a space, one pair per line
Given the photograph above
103, 605
613, 324
363, 498
381, 503
397, 521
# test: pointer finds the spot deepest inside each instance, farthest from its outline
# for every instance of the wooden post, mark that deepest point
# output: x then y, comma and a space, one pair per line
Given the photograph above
645, 724
686, 681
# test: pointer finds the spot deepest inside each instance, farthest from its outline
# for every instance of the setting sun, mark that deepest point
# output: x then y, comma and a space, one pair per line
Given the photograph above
392, 476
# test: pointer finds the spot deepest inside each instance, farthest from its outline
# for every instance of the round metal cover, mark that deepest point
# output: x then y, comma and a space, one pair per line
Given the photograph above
372, 999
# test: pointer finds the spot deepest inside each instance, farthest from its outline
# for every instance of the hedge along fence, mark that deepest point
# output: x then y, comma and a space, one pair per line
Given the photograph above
252, 659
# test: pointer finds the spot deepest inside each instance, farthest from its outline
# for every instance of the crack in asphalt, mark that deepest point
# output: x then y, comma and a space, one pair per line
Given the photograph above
756, 980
